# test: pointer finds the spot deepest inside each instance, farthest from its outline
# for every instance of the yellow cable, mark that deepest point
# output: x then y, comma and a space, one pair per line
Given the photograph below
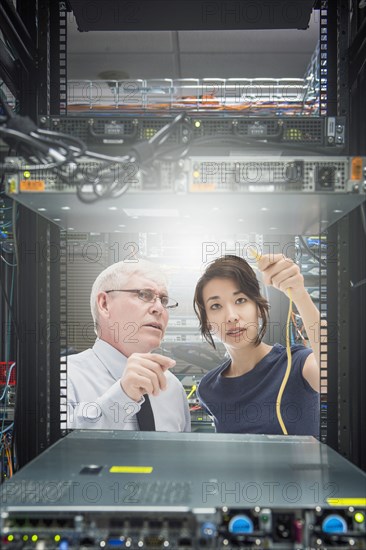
194, 387
289, 356
288, 369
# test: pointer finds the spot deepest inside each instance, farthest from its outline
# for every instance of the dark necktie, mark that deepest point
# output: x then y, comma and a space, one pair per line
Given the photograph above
145, 416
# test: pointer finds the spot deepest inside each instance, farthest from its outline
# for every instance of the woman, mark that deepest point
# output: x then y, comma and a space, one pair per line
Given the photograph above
246, 394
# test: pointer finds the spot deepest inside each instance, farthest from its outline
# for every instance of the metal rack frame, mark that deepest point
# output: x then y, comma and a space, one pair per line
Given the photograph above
38, 401
37, 78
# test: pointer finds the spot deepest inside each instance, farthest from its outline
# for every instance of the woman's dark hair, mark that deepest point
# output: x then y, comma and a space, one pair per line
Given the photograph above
237, 269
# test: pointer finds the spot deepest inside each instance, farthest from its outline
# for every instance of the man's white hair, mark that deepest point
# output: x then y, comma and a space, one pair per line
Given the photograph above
116, 276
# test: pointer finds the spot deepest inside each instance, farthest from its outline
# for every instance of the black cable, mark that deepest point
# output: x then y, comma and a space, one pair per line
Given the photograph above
36, 145
221, 140
67, 151
363, 216
19, 136
6, 107
115, 189
64, 150
32, 143
186, 147
87, 199
161, 136
268, 141
67, 137
2, 184
226, 140
100, 156
308, 249
10, 308
112, 190
161, 155
101, 189
255, 142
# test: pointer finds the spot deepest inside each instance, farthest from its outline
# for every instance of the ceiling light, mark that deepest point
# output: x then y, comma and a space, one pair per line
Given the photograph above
152, 212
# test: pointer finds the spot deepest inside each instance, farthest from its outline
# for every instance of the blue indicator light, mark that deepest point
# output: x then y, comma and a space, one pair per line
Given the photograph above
116, 543
334, 524
240, 525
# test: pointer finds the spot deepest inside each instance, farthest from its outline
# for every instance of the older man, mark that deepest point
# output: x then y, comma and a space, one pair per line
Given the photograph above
119, 383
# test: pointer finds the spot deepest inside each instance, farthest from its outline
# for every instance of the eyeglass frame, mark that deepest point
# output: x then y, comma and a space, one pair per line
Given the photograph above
138, 290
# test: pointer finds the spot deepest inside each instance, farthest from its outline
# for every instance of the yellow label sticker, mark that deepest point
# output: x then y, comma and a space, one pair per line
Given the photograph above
356, 168
131, 469
12, 186
32, 185
202, 187
346, 501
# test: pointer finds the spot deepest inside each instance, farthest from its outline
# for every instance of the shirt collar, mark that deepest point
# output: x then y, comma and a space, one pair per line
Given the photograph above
113, 360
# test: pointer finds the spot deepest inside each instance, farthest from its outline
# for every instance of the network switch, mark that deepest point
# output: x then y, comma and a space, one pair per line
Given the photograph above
188, 491
112, 130
197, 174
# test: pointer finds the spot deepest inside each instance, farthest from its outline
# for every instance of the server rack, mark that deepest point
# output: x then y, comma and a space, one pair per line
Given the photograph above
41, 51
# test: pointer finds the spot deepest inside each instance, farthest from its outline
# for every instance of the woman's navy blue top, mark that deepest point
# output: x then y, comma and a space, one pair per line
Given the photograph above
247, 403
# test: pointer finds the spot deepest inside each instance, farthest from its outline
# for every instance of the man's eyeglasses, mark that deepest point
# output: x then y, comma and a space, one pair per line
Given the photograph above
147, 295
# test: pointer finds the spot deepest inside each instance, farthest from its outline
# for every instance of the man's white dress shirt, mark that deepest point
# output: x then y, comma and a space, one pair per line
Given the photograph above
96, 400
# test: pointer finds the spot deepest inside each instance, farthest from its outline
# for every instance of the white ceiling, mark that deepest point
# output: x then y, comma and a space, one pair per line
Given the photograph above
191, 54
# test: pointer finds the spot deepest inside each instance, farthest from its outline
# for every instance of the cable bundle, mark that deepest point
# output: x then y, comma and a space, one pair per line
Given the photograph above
62, 153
